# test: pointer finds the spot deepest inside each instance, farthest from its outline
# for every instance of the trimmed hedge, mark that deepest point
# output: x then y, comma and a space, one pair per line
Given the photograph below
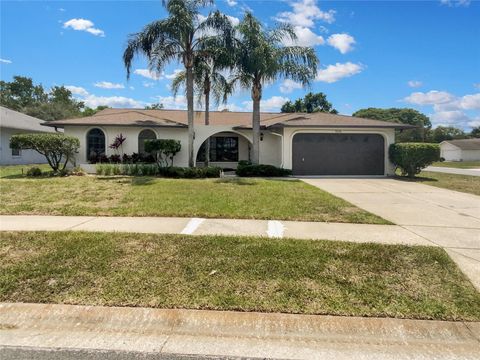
246, 169
154, 170
411, 158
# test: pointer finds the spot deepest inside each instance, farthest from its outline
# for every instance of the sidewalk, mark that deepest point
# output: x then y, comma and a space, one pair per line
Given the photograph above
261, 335
448, 170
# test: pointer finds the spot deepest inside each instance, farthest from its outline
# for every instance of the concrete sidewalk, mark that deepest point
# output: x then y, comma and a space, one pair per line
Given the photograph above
227, 334
386, 234
448, 170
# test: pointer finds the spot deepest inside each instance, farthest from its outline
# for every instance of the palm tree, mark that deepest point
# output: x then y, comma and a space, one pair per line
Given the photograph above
208, 78
178, 37
261, 57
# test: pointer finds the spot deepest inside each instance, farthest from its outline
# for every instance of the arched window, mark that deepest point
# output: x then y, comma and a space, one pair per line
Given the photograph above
95, 144
144, 135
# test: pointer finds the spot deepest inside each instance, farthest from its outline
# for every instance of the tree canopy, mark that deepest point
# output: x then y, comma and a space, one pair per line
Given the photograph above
22, 95
402, 116
310, 103
442, 133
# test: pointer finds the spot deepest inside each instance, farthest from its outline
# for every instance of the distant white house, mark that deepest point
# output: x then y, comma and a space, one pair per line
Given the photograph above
460, 150
11, 123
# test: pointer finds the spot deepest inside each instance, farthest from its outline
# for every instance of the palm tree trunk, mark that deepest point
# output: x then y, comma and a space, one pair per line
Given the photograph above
191, 130
256, 97
207, 122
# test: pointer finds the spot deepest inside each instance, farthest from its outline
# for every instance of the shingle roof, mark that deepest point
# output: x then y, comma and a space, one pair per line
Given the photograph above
465, 144
178, 118
15, 120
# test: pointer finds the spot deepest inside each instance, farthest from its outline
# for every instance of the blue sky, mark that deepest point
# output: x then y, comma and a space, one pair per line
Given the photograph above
424, 55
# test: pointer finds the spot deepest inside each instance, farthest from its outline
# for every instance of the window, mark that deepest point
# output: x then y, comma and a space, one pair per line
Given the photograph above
142, 137
222, 149
95, 144
16, 152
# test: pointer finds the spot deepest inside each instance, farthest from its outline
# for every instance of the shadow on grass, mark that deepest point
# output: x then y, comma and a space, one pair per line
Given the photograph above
236, 181
415, 179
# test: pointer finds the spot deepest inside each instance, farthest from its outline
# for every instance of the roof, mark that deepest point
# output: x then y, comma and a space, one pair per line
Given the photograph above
178, 118
16, 120
465, 144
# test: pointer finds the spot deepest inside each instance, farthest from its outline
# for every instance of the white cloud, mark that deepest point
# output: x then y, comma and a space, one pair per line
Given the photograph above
172, 75
333, 73
476, 85
342, 42
108, 85
148, 84
112, 101
231, 2
153, 75
231, 107
288, 86
173, 102
455, 3
93, 101
449, 110
234, 20
470, 102
304, 13
77, 90
62, 10
432, 97
414, 83
5, 61
305, 37
83, 25
272, 104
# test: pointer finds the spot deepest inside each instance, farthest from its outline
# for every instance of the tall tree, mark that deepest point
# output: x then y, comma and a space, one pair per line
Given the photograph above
442, 133
180, 37
24, 96
261, 57
310, 103
403, 116
208, 79
475, 132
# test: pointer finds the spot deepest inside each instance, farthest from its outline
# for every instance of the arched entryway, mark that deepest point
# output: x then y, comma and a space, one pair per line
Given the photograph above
226, 150
95, 143
143, 136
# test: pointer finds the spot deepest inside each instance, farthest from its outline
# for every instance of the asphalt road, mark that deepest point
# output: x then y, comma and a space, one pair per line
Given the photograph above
26, 353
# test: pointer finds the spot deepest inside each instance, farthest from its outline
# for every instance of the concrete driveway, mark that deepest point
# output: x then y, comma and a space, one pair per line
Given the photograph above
445, 218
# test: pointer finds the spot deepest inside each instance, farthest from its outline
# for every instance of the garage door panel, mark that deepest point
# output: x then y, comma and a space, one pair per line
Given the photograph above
338, 154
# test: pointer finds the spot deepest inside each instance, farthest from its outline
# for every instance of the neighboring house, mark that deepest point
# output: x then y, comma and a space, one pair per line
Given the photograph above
309, 144
11, 123
460, 150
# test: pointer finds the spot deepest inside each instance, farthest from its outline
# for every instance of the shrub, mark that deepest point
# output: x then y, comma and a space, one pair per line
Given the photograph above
164, 150
411, 158
34, 172
55, 147
190, 173
246, 169
115, 159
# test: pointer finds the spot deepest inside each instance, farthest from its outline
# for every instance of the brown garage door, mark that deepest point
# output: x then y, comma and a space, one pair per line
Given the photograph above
338, 154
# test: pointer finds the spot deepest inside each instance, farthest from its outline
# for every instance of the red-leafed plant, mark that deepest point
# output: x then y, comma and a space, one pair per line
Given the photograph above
118, 142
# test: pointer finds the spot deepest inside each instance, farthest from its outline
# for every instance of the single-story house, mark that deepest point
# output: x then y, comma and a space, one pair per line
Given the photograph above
309, 144
11, 123
460, 150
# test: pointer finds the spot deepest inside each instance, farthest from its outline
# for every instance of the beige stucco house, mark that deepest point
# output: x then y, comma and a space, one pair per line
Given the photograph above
309, 144
11, 123
460, 150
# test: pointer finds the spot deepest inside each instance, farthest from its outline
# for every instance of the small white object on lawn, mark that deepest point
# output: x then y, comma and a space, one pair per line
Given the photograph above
192, 225
275, 229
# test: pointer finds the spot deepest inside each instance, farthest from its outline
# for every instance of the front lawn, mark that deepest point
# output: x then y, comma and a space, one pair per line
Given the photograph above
147, 196
462, 183
458, 164
227, 273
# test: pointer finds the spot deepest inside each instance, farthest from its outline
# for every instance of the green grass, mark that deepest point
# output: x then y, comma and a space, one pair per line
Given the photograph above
226, 273
146, 196
462, 183
458, 164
